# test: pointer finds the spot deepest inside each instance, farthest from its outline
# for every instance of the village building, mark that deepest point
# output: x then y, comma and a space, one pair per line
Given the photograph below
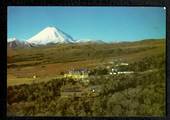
124, 64
121, 68
77, 74
34, 76
126, 72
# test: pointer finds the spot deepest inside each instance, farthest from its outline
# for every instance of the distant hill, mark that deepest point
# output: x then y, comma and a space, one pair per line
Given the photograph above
57, 53
16, 43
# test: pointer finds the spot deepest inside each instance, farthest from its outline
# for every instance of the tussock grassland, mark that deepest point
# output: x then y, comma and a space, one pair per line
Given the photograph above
49, 61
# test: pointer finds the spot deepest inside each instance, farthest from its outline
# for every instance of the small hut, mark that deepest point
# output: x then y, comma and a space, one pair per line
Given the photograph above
34, 76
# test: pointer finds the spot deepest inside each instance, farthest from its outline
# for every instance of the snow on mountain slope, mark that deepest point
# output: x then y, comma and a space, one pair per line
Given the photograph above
14, 43
89, 41
12, 39
50, 35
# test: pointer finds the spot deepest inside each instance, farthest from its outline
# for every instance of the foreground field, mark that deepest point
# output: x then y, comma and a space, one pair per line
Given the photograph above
102, 93
19, 81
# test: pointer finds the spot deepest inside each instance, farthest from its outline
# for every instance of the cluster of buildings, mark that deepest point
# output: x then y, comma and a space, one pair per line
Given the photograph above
120, 68
82, 76
77, 74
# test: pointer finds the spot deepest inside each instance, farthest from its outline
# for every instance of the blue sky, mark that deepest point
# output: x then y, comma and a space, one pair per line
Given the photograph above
104, 23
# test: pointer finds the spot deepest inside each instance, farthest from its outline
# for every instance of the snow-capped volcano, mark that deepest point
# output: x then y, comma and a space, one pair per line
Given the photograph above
50, 35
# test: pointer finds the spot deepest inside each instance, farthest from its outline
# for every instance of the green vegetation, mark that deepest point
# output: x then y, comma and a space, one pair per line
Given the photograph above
139, 94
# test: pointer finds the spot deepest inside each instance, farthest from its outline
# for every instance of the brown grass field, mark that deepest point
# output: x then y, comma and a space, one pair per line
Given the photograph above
48, 62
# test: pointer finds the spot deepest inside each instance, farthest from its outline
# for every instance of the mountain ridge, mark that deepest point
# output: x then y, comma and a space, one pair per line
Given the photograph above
47, 36
16, 43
